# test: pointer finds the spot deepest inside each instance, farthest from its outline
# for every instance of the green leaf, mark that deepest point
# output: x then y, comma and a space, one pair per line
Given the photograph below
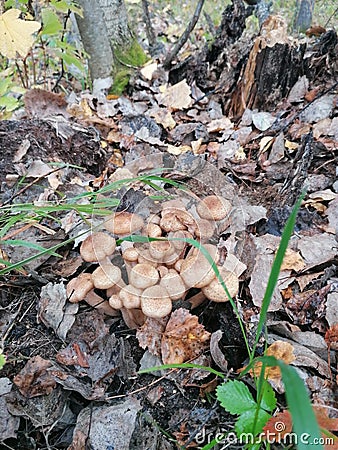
63, 6
246, 422
70, 59
269, 400
51, 22
9, 102
2, 360
235, 397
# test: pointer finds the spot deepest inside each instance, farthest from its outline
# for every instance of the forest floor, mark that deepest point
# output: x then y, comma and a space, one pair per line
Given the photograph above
71, 374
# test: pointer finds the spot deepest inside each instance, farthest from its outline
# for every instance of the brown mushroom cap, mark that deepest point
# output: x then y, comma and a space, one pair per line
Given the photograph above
115, 301
196, 270
174, 285
159, 250
106, 276
123, 223
97, 246
155, 302
215, 292
174, 219
152, 230
78, 287
130, 297
213, 207
130, 254
143, 275
205, 229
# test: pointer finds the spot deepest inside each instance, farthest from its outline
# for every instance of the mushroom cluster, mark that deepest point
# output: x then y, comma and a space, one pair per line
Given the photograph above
155, 273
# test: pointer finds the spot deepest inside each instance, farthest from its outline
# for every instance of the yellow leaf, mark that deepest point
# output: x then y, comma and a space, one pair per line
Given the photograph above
16, 34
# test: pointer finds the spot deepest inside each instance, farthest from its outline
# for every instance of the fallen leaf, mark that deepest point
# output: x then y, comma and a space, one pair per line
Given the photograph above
282, 351
148, 70
176, 97
16, 34
34, 379
184, 338
292, 261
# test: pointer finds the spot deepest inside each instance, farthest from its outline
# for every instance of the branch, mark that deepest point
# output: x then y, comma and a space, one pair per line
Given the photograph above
183, 39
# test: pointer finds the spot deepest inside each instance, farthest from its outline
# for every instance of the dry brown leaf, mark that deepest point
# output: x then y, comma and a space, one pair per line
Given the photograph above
177, 97
282, 351
184, 338
292, 261
34, 379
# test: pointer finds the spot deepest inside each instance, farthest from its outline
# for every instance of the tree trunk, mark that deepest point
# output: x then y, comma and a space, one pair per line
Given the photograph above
116, 18
303, 19
94, 36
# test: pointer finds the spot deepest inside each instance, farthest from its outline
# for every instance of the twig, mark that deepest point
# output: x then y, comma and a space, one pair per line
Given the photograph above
210, 23
36, 180
149, 28
183, 39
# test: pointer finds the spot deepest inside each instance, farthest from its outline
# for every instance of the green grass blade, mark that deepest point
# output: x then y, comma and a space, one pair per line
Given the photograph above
21, 243
182, 366
303, 417
273, 278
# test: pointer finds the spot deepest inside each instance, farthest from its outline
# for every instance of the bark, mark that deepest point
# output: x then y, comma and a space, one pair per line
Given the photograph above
95, 39
303, 19
116, 18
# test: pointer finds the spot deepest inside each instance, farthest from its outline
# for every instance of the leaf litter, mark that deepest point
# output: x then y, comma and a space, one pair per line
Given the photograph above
89, 368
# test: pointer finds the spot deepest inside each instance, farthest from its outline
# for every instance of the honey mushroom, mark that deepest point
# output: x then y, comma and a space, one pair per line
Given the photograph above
82, 288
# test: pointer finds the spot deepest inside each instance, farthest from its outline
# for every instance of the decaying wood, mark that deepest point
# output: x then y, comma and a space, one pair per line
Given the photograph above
273, 67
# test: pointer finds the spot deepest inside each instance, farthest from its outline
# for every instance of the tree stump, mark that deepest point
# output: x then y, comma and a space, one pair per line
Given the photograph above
273, 67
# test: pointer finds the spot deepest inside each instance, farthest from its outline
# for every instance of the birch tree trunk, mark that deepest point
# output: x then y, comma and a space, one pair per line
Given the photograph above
108, 40
95, 39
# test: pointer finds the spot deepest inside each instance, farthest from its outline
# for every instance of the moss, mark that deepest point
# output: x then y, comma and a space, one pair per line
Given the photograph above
133, 55
121, 80
125, 62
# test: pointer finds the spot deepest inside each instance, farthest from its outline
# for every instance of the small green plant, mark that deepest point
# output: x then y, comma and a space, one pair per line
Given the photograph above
2, 360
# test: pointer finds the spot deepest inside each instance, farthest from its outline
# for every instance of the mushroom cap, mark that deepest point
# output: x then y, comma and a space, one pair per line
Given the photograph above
122, 223
155, 302
97, 246
159, 250
196, 270
78, 287
174, 219
213, 207
215, 292
173, 284
152, 230
130, 297
143, 276
130, 254
115, 301
106, 276
205, 229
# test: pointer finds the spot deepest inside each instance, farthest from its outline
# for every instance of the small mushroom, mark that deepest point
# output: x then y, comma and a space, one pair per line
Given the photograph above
155, 302
133, 318
174, 285
106, 275
143, 276
159, 250
123, 223
78, 287
152, 230
213, 207
82, 288
196, 270
115, 302
215, 292
97, 247
130, 297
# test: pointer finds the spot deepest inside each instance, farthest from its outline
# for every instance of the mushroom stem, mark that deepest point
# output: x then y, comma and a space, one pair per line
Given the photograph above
100, 304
